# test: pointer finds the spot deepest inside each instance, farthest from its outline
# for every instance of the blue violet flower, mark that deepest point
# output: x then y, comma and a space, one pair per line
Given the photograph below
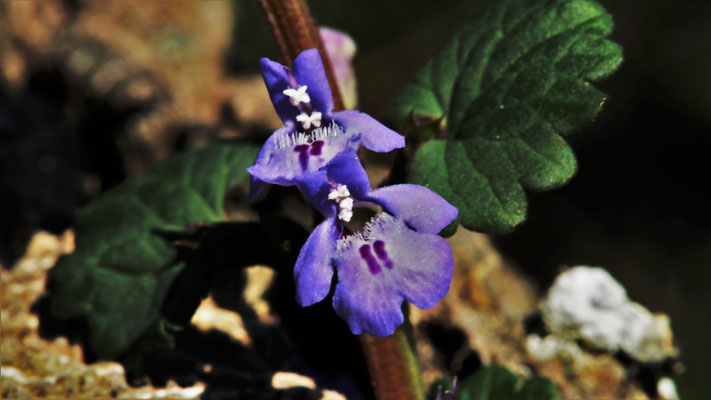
396, 256
312, 133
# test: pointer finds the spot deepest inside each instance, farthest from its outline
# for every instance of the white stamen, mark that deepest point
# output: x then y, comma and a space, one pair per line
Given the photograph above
367, 233
339, 192
345, 214
346, 203
297, 96
292, 139
341, 195
308, 120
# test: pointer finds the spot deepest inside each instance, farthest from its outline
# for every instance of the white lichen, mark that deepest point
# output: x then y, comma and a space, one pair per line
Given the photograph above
588, 304
549, 347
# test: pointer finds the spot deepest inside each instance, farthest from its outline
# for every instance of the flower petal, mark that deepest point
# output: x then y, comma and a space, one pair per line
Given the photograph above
271, 165
316, 187
276, 78
313, 271
393, 262
256, 187
288, 155
308, 70
346, 169
378, 315
421, 208
376, 136
341, 48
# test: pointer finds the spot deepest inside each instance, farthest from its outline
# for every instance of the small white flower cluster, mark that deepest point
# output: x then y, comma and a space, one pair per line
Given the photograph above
298, 96
342, 196
294, 138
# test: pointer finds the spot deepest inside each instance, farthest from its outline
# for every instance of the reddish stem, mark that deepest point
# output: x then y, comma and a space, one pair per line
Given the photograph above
393, 367
294, 31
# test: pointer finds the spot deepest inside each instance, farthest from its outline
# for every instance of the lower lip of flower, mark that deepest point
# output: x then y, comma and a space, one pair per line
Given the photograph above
367, 233
374, 266
298, 138
314, 143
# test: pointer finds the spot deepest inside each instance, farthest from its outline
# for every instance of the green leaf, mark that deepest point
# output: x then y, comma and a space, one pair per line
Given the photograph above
507, 87
495, 382
119, 273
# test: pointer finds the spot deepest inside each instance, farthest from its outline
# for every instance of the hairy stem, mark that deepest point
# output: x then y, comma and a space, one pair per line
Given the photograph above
294, 31
392, 364
393, 367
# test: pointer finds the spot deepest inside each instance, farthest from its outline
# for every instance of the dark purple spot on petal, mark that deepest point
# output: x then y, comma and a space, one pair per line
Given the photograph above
379, 247
303, 149
316, 148
365, 254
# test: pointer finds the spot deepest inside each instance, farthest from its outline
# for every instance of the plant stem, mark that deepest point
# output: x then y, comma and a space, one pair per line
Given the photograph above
294, 31
392, 364
393, 367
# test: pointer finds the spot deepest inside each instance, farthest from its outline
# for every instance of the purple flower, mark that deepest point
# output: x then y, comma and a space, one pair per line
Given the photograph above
313, 133
341, 48
396, 256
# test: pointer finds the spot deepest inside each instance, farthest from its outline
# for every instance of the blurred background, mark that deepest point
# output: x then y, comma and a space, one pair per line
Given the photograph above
94, 92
